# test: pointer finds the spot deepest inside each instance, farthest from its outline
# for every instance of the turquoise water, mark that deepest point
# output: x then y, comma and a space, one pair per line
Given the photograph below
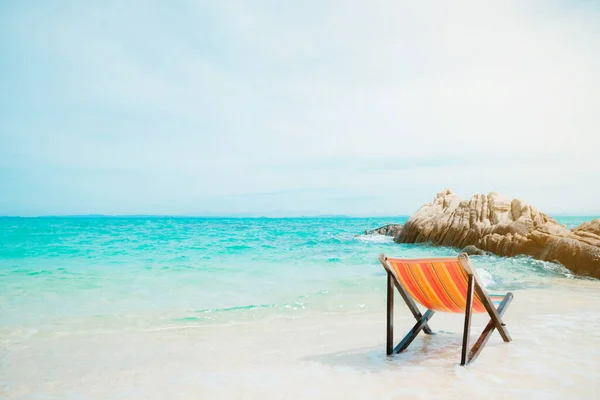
92, 273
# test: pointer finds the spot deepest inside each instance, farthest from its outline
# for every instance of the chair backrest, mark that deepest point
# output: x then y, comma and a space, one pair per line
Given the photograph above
439, 284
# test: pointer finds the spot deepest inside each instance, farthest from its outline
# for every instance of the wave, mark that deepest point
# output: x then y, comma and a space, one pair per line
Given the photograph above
485, 277
237, 308
374, 238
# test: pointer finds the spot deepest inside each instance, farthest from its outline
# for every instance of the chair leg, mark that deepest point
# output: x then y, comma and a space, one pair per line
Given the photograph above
412, 334
467, 327
493, 314
489, 329
390, 314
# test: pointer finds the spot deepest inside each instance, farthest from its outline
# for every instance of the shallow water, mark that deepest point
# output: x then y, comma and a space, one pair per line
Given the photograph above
276, 308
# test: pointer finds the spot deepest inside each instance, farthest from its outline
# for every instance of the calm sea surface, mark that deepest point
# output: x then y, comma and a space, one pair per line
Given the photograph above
81, 273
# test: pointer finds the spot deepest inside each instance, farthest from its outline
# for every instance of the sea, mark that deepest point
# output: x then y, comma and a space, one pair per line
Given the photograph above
184, 307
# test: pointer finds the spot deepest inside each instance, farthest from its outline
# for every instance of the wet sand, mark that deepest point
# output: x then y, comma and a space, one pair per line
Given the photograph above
555, 355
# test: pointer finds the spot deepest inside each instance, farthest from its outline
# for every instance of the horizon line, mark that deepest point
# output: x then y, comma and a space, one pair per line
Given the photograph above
255, 216
240, 215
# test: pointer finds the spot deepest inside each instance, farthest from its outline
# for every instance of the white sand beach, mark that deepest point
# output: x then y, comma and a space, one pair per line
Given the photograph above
555, 355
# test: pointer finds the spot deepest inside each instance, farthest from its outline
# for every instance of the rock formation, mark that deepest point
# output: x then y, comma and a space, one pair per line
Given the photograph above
592, 227
506, 228
387, 230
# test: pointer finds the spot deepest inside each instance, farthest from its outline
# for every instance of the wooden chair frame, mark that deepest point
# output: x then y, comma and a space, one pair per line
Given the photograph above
474, 286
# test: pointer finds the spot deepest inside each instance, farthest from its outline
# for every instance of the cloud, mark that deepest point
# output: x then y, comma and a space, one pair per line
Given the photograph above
341, 107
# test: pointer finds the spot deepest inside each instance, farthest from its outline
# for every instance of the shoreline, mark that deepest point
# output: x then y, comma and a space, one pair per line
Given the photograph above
296, 307
323, 355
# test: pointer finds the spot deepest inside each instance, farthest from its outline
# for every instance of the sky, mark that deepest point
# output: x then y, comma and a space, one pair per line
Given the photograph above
296, 108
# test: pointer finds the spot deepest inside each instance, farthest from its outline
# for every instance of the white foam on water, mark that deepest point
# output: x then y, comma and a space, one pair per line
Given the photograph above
485, 277
374, 238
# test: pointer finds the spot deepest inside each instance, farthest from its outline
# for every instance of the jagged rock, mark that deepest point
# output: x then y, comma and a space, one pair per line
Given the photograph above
387, 230
474, 251
590, 227
504, 227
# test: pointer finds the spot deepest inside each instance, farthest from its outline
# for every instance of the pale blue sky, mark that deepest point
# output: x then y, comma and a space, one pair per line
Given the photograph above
296, 108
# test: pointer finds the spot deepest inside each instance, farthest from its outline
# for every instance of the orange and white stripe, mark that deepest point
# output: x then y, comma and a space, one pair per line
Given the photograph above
439, 284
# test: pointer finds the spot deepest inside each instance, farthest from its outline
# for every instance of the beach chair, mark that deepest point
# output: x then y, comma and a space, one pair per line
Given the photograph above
447, 284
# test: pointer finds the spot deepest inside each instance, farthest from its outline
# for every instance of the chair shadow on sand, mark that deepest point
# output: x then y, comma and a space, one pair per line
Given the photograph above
439, 350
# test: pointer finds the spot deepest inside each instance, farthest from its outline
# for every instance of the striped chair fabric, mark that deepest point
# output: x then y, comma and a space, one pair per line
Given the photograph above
439, 284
